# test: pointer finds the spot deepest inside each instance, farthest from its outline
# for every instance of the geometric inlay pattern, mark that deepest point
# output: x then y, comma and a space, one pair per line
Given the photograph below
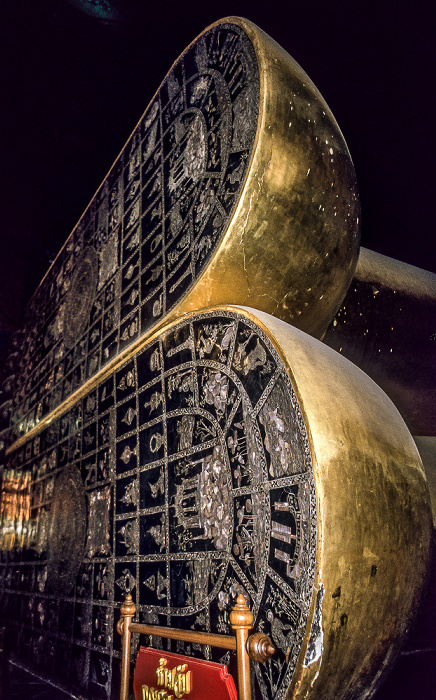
198, 480
151, 228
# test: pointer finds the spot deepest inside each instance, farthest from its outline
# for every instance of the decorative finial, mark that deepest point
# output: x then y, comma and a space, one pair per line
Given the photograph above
241, 615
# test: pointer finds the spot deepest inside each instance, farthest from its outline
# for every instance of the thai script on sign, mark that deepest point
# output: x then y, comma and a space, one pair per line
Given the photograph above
178, 680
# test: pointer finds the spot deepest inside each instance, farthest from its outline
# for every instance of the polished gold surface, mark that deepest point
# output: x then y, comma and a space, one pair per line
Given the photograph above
386, 326
374, 521
291, 246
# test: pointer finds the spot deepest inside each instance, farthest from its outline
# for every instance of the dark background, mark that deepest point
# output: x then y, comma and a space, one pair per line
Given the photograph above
76, 76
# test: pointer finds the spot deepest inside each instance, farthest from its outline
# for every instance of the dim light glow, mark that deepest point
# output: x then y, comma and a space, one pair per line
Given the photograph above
102, 9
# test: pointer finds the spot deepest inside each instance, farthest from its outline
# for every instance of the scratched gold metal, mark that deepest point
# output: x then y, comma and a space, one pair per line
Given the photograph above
245, 457
374, 520
426, 445
292, 243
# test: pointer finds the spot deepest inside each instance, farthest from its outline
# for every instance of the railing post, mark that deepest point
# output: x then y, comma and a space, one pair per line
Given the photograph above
127, 610
241, 620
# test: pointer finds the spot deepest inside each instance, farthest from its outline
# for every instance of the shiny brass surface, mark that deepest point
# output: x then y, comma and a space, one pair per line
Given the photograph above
386, 326
374, 521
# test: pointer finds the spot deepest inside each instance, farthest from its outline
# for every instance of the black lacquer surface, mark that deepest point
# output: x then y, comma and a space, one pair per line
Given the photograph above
151, 228
194, 465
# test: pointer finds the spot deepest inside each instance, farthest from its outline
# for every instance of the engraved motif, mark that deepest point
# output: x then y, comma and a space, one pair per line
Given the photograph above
127, 454
247, 361
215, 390
128, 380
98, 535
156, 442
42, 579
80, 296
108, 256
157, 532
214, 337
130, 330
183, 382
90, 406
129, 535
281, 435
130, 496
156, 400
129, 416
170, 195
161, 586
185, 430
134, 294
102, 580
201, 504
126, 581
155, 361
66, 537
158, 486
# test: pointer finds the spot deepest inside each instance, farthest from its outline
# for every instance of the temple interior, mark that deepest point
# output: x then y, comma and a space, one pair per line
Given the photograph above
217, 339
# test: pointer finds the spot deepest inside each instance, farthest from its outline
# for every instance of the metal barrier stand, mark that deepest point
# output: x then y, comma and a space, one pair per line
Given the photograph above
257, 646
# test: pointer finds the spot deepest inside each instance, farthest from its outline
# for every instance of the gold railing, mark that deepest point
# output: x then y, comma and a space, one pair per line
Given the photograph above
257, 646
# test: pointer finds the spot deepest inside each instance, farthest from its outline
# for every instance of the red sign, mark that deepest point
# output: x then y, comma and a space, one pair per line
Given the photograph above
160, 675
